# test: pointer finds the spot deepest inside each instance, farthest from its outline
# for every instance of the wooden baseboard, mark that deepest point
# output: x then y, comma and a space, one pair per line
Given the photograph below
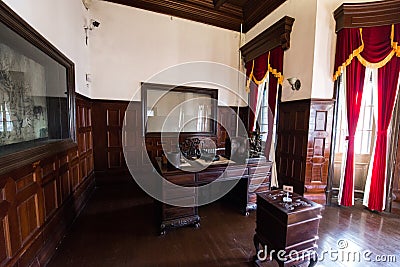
319, 198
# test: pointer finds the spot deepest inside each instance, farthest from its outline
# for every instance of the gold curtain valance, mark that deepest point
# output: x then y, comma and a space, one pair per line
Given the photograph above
270, 69
357, 53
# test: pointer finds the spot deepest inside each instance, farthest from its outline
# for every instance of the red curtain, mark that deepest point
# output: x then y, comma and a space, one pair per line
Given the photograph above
259, 70
355, 74
276, 62
349, 40
373, 47
377, 43
388, 77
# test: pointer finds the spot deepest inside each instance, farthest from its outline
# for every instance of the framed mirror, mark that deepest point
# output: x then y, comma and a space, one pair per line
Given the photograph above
179, 109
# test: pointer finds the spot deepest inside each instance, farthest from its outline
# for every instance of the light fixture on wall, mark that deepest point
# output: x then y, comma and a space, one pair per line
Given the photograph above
295, 83
92, 24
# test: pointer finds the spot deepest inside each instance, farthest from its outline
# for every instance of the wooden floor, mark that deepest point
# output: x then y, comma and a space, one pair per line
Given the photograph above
117, 228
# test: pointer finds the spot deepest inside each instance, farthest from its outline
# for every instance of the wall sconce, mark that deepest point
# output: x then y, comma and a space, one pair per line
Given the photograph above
92, 24
295, 83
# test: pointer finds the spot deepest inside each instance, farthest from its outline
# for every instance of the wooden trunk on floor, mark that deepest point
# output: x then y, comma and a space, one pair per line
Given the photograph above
287, 226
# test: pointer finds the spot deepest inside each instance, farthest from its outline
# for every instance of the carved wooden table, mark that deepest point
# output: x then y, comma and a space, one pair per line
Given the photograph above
253, 177
286, 227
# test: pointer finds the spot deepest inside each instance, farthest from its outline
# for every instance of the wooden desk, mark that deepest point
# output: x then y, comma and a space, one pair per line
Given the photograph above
287, 227
254, 177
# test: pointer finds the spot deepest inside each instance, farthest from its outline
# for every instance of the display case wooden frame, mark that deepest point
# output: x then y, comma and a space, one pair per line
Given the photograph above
16, 24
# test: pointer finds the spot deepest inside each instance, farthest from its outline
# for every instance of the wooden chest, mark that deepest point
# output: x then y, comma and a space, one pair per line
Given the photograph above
286, 226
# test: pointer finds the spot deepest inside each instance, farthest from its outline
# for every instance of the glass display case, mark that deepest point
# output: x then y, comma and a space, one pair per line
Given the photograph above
36, 90
179, 109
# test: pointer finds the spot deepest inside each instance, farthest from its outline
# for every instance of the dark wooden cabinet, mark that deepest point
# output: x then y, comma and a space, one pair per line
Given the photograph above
287, 226
303, 146
253, 177
257, 179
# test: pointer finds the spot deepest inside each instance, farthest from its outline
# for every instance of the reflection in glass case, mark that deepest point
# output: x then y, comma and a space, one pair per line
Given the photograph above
33, 93
179, 109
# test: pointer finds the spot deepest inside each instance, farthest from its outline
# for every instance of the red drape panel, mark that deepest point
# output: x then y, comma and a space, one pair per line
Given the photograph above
355, 74
377, 43
259, 71
348, 41
276, 62
387, 87
374, 49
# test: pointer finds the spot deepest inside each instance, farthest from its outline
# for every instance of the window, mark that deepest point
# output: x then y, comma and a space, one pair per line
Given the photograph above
365, 127
5, 119
264, 114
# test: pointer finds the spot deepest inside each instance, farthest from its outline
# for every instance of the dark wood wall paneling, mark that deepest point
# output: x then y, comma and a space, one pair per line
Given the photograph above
303, 145
107, 135
42, 195
109, 118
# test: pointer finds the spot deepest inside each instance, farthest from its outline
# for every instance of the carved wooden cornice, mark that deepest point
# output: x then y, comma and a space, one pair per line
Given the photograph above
355, 15
276, 35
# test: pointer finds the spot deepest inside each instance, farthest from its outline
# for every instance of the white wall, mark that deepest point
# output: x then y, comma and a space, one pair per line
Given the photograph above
61, 22
325, 47
132, 45
298, 59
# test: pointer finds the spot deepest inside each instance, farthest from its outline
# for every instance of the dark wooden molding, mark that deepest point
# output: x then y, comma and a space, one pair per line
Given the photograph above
355, 15
219, 3
256, 10
226, 14
34, 154
276, 35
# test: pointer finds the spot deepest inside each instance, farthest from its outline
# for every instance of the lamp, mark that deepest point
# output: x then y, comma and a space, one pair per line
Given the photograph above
295, 83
